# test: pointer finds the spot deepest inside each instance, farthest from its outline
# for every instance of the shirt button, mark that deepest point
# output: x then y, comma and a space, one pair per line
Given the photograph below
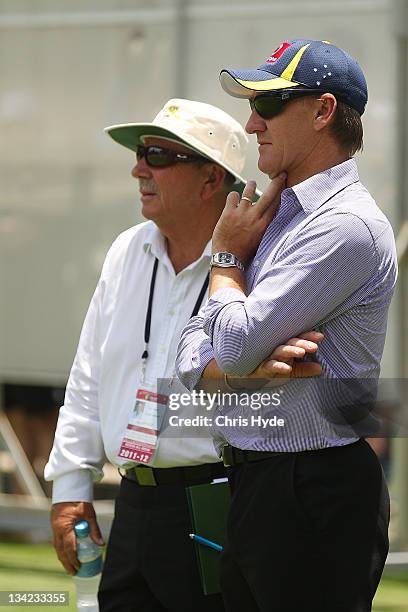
256, 263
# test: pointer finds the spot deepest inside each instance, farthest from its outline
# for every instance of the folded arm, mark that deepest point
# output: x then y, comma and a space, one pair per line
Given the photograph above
196, 364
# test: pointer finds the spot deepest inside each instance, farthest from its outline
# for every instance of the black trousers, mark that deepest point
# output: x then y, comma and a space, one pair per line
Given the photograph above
307, 532
150, 563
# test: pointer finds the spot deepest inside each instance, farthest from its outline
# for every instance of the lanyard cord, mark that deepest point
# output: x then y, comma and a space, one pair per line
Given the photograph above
150, 306
201, 296
149, 309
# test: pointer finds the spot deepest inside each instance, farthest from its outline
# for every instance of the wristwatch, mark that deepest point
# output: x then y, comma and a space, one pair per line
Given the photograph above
223, 259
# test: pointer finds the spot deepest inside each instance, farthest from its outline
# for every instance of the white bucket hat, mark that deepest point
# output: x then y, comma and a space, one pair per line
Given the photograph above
203, 128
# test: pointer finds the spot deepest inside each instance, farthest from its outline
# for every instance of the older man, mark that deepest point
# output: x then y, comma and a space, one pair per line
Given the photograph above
308, 523
154, 278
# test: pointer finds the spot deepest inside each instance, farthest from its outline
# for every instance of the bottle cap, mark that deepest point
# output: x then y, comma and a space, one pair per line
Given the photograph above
81, 529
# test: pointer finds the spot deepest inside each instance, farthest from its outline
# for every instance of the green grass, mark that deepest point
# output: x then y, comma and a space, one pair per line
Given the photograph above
392, 595
34, 567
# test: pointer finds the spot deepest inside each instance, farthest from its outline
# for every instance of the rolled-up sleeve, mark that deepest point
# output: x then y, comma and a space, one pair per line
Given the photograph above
321, 267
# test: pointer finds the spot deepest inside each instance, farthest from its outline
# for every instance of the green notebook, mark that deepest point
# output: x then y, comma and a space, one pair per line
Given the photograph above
209, 505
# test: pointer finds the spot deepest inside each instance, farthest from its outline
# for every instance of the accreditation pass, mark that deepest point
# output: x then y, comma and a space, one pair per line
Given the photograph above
140, 439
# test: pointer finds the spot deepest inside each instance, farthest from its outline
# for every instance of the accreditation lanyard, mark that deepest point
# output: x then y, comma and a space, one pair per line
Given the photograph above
148, 319
140, 439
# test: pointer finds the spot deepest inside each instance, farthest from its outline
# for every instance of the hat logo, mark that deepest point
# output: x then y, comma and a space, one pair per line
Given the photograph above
172, 111
278, 52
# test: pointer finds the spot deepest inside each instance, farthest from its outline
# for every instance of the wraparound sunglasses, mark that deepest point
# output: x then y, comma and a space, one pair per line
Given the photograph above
269, 105
159, 157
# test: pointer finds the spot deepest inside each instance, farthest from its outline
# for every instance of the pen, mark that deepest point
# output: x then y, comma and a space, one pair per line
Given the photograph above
206, 542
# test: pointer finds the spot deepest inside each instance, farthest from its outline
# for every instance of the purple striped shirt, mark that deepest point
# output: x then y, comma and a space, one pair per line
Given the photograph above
326, 262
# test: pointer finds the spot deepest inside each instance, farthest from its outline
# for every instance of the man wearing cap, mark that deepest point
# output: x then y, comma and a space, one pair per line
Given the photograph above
308, 523
153, 280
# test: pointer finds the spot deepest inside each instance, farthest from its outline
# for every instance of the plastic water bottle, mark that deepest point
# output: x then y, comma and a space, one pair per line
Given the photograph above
89, 574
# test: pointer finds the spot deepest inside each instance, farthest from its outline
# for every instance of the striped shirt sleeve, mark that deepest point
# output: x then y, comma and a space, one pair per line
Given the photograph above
194, 352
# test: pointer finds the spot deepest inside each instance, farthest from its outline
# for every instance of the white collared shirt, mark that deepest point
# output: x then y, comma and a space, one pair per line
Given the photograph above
106, 372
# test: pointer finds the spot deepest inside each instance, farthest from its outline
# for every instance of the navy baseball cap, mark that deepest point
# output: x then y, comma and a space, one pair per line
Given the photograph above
316, 64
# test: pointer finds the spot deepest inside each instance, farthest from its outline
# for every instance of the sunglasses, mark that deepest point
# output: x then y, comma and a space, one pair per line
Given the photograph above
269, 105
159, 157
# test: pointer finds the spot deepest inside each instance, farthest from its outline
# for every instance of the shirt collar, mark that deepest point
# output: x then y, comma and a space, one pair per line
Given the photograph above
156, 243
317, 189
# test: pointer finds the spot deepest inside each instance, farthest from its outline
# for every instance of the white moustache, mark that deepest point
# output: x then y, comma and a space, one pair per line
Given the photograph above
147, 185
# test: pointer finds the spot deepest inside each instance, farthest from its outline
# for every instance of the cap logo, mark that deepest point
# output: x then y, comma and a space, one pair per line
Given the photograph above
278, 52
172, 110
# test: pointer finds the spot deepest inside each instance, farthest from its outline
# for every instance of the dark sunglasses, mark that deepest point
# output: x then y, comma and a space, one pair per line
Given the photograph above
269, 105
159, 157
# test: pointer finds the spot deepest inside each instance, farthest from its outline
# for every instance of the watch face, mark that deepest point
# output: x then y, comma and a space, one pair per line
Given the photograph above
224, 257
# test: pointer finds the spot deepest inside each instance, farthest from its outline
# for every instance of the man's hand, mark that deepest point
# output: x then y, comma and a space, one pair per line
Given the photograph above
241, 226
281, 363
63, 518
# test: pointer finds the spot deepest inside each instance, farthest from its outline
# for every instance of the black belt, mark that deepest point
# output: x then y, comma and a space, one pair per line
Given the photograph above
146, 476
234, 456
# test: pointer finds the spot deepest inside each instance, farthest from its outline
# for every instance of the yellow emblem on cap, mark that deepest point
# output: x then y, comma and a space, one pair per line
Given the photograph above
172, 110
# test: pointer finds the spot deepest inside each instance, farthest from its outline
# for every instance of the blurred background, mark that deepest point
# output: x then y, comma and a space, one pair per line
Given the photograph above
70, 68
